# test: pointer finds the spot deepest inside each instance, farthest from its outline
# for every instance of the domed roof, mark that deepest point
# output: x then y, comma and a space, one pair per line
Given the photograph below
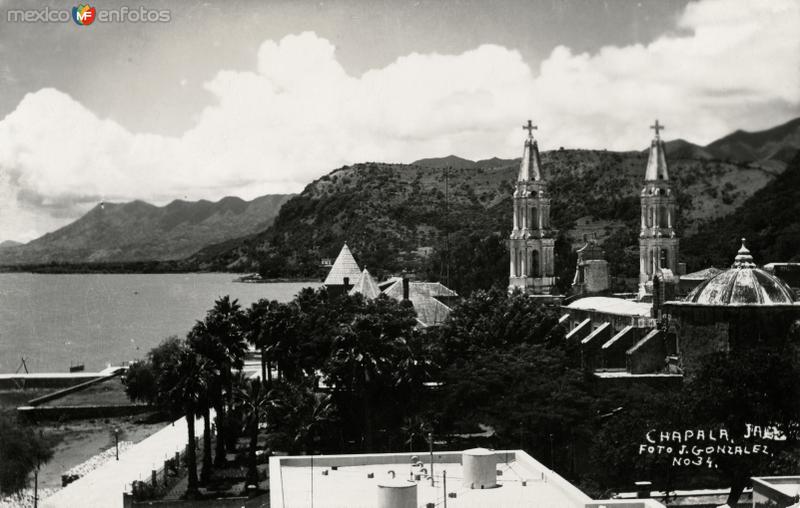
742, 284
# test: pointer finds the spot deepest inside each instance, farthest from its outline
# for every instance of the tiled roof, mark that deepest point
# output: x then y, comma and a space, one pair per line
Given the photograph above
366, 286
430, 311
702, 274
422, 295
344, 266
418, 289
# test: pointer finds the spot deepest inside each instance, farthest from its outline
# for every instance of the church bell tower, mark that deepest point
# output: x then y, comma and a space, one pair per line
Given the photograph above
658, 244
532, 239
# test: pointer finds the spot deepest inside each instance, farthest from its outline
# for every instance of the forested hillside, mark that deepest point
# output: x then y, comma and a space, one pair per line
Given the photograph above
390, 213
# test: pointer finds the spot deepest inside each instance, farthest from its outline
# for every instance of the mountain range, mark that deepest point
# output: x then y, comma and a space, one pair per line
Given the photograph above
393, 215
138, 231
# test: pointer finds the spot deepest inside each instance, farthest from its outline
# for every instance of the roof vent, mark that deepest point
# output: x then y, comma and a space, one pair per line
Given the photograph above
480, 468
397, 494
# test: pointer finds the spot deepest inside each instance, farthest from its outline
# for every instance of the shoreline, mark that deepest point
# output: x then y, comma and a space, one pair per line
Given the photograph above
256, 279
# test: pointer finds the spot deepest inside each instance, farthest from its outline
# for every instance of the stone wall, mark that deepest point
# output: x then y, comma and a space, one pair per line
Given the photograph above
61, 413
228, 502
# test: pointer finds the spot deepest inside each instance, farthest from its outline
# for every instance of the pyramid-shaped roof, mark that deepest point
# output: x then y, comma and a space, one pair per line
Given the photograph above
344, 266
366, 285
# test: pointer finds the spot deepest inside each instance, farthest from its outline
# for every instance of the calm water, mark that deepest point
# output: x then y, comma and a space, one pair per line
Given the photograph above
56, 320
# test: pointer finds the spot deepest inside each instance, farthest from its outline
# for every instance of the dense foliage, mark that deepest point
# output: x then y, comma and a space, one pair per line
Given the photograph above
22, 450
343, 374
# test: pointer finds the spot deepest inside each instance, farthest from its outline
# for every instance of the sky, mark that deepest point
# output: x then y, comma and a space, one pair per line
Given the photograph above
247, 98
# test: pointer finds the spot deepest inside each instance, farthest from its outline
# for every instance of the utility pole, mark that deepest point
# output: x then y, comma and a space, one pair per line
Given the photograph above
447, 222
116, 440
444, 487
430, 441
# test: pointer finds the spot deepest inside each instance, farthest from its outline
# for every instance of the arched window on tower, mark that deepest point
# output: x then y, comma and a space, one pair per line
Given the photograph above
535, 271
664, 259
534, 218
651, 268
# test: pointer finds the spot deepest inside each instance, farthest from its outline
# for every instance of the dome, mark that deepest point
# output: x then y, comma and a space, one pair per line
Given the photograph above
743, 284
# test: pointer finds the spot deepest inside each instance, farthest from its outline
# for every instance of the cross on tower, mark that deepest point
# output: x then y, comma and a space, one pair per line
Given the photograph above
530, 128
657, 127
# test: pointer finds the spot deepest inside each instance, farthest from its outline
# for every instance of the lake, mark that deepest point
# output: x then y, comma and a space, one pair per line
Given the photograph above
56, 320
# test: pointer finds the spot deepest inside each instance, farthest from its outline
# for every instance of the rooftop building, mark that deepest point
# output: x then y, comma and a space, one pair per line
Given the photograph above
472, 479
776, 491
744, 284
366, 286
344, 272
431, 300
425, 296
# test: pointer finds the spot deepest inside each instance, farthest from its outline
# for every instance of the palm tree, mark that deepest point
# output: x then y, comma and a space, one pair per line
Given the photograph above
359, 365
365, 354
272, 327
220, 339
184, 384
204, 344
205, 409
260, 333
252, 398
299, 415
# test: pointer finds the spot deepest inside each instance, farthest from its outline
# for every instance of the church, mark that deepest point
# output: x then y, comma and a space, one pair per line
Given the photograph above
653, 335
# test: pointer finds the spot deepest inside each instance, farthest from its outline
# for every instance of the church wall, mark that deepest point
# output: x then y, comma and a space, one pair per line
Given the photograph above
617, 321
648, 355
591, 357
697, 340
614, 354
595, 274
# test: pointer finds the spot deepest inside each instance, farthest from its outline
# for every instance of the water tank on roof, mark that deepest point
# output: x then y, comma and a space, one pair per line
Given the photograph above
480, 468
397, 494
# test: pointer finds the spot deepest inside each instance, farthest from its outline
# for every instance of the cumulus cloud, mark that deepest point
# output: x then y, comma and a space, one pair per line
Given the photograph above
298, 114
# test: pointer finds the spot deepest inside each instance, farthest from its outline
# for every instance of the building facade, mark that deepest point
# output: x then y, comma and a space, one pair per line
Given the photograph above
658, 242
532, 240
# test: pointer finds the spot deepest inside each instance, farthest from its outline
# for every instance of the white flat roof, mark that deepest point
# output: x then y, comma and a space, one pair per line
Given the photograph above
295, 484
610, 305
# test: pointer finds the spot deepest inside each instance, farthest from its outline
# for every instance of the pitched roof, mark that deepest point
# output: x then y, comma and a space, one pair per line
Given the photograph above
704, 274
366, 285
418, 289
344, 266
591, 251
430, 311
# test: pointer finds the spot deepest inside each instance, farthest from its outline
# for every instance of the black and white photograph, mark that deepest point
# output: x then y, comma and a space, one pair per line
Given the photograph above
400, 254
